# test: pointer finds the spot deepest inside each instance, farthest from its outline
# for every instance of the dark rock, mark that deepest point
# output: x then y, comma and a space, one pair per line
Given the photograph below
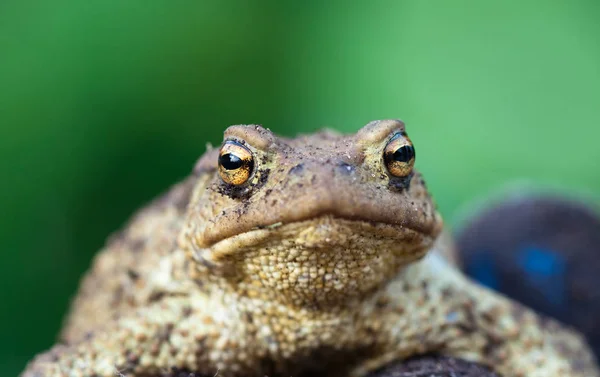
434, 366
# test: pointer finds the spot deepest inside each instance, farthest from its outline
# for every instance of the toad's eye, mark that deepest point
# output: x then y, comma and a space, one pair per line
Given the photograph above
399, 155
236, 163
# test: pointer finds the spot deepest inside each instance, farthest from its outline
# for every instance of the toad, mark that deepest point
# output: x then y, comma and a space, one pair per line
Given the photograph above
322, 253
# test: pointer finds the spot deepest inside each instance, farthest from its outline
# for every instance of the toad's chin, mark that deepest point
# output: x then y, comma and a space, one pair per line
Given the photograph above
325, 254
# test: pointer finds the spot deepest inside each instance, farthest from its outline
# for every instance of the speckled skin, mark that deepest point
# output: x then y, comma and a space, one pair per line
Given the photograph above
322, 262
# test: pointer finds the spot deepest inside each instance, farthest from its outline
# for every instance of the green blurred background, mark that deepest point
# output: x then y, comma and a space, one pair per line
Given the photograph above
103, 104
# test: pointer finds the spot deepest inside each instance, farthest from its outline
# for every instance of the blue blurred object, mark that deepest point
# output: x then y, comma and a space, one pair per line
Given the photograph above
543, 251
545, 270
481, 268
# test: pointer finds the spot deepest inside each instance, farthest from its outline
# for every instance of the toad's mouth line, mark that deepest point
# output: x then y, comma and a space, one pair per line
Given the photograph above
319, 223
331, 218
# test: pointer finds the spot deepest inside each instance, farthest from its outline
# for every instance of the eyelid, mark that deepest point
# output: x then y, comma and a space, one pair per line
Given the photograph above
378, 131
396, 135
256, 135
233, 144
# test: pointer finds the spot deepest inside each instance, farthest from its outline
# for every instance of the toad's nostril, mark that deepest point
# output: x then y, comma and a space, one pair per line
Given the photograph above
345, 168
298, 169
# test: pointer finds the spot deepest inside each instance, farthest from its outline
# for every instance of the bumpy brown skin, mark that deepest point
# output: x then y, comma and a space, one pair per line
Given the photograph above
322, 262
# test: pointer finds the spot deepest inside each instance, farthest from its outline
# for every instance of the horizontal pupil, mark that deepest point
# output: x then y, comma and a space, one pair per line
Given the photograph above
404, 153
230, 161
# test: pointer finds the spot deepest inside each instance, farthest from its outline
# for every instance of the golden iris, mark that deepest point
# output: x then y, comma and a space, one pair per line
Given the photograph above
236, 163
399, 155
